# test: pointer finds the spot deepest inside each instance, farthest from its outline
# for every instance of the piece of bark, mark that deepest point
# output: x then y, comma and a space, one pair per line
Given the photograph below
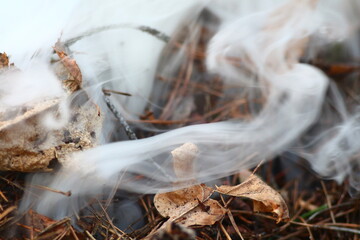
26, 145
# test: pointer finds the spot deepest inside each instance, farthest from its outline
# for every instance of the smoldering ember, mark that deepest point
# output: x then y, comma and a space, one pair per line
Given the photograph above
193, 119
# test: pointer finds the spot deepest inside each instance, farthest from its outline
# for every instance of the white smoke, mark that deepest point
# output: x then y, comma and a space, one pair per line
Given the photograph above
266, 38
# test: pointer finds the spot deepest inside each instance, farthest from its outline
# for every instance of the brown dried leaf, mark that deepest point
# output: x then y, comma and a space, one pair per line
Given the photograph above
206, 213
190, 206
67, 70
266, 199
4, 60
40, 222
175, 204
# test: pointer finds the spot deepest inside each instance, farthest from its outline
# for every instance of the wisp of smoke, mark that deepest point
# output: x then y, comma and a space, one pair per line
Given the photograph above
266, 39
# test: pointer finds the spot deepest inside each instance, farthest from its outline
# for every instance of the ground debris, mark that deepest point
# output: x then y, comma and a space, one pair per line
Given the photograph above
265, 198
173, 231
67, 69
4, 61
27, 145
193, 206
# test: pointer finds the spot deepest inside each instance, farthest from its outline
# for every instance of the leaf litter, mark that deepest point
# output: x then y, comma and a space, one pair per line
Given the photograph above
184, 211
193, 206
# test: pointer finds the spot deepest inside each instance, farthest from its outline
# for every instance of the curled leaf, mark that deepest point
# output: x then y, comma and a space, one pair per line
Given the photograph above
206, 213
4, 60
177, 203
266, 199
67, 69
188, 206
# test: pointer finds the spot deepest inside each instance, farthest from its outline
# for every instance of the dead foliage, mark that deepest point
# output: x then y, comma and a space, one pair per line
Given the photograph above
67, 69
265, 198
239, 209
193, 205
4, 61
27, 146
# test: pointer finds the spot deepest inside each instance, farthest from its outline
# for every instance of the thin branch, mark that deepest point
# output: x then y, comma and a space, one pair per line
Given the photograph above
152, 31
129, 132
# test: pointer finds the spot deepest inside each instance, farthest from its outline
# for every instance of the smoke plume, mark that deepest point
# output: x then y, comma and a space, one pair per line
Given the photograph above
262, 48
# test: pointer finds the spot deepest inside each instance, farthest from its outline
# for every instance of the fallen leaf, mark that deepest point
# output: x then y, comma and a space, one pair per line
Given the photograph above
67, 69
177, 203
40, 223
188, 206
4, 60
266, 199
207, 213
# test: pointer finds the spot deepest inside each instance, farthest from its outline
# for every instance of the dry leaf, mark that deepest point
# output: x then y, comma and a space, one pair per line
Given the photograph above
207, 213
67, 69
188, 206
266, 199
4, 61
177, 203
40, 223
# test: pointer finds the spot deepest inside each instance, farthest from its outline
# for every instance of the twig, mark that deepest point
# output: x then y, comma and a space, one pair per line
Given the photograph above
232, 220
225, 232
7, 211
129, 132
311, 236
72, 231
150, 216
110, 221
68, 193
89, 235
12, 183
62, 235
109, 91
328, 202
65, 220
3, 196
334, 228
152, 31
